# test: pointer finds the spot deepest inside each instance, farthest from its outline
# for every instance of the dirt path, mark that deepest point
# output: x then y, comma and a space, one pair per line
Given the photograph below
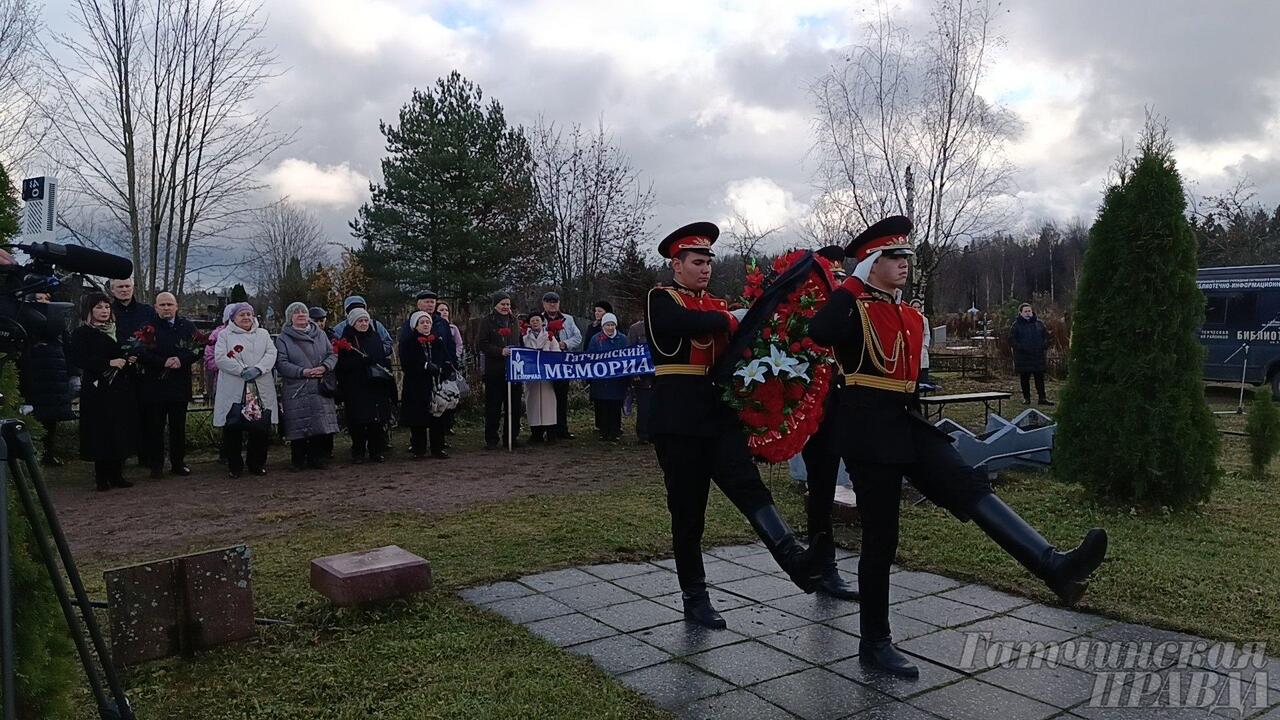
160, 517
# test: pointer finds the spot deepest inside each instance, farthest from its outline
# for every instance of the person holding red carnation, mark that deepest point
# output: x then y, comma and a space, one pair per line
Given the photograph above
246, 356
426, 360
883, 438
499, 332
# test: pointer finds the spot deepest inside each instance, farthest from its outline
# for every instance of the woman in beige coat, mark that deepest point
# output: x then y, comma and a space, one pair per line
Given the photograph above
540, 397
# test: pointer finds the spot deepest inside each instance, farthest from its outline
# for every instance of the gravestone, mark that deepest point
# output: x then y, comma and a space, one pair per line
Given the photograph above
370, 575
180, 604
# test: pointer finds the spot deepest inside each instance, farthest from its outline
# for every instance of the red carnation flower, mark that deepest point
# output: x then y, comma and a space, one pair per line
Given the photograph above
747, 354
796, 347
793, 391
504, 331
423, 340
342, 345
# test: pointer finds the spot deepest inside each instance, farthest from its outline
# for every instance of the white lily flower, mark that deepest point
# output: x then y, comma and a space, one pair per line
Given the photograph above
753, 372
778, 361
799, 371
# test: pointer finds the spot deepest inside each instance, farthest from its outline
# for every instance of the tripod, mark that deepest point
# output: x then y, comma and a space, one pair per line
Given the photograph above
18, 459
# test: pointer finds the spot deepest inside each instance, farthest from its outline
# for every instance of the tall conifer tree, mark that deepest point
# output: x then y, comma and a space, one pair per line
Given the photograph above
1133, 425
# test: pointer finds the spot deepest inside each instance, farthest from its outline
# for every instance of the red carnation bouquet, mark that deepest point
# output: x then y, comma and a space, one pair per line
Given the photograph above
780, 382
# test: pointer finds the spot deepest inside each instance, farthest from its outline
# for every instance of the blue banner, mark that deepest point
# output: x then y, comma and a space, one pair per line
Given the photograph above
527, 365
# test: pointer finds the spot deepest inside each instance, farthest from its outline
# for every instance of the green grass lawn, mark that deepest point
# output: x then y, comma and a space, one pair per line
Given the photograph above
1215, 572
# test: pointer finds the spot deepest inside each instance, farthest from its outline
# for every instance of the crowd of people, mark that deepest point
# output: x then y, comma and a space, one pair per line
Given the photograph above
131, 363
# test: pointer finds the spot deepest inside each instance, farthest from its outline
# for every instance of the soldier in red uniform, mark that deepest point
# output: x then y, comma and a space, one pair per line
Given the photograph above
696, 435
883, 437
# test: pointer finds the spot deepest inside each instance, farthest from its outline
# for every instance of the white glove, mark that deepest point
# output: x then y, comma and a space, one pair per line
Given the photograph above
739, 313
863, 270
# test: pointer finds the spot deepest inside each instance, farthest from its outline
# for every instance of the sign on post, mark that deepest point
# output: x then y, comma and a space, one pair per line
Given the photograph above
40, 213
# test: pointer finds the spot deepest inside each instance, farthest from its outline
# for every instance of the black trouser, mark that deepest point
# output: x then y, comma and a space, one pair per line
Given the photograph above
1026, 384
173, 414
495, 402
609, 417
233, 438
822, 465
50, 437
108, 472
689, 464
448, 418
561, 389
937, 471
310, 450
429, 437
369, 437
644, 398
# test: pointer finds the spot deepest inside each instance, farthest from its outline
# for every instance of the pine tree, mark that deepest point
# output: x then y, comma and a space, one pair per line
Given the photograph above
456, 211
237, 293
1133, 425
46, 670
1263, 428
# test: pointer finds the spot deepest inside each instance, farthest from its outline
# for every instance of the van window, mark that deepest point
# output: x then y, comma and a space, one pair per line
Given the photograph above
1230, 309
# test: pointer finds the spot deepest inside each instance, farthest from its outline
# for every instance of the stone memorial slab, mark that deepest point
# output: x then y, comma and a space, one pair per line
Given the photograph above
747, 663
976, 700
923, 581
613, 571
817, 644
984, 597
636, 615
371, 575
569, 630
818, 694
762, 588
180, 604
757, 620
685, 638
932, 675
673, 685
940, 611
145, 608
621, 653
219, 596
485, 594
738, 705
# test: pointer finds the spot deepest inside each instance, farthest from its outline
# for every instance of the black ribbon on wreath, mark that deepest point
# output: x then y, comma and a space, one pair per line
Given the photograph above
762, 309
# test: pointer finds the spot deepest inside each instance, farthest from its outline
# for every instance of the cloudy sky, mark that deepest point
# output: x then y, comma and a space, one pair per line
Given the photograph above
710, 97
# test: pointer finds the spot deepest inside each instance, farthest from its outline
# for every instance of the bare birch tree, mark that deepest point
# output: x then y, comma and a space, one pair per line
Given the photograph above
22, 126
746, 236
902, 107
154, 115
594, 198
287, 241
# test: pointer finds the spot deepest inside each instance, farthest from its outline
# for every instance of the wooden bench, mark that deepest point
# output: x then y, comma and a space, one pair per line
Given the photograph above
934, 404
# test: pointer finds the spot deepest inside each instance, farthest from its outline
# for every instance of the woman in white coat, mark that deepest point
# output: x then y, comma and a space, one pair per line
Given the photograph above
245, 355
540, 397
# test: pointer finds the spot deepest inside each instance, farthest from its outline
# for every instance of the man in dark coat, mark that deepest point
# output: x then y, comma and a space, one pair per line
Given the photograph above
499, 332
883, 438
1029, 339
425, 301
166, 360
129, 316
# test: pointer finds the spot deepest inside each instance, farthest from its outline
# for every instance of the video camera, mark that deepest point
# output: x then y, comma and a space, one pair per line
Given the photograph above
21, 320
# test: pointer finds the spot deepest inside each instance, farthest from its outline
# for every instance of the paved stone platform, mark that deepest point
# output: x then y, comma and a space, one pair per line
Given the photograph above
790, 655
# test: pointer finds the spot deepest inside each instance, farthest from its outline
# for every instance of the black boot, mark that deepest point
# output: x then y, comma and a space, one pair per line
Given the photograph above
791, 556
699, 611
1066, 574
883, 656
823, 548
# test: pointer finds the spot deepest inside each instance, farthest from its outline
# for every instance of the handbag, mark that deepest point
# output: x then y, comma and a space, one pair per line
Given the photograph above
445, 397
329, 385
248, 414
377, 372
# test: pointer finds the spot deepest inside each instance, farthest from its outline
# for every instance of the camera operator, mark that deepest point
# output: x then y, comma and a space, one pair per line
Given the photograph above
44, 378
107, 398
